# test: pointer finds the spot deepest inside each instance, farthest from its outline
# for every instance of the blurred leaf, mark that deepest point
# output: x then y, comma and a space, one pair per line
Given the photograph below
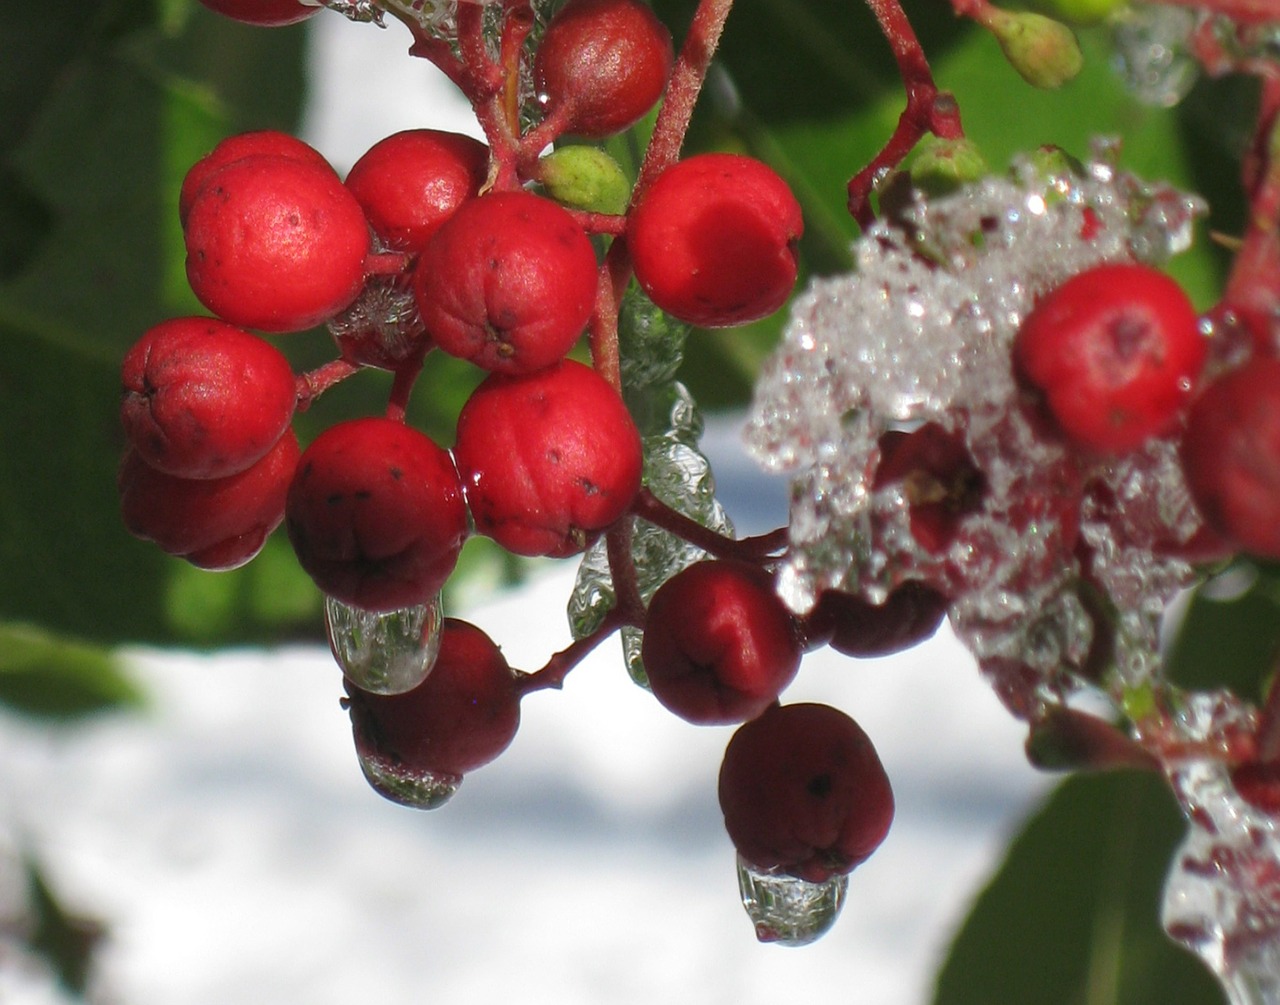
1071, 916
66, 941
48, 677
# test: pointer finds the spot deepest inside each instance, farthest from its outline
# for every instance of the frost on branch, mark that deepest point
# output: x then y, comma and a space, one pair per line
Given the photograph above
921, 333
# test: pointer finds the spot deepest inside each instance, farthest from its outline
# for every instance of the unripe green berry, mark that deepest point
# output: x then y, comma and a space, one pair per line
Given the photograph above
1043, 51
944, 165
585, 178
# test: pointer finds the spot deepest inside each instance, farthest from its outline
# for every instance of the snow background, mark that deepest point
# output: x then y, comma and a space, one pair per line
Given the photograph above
233, 847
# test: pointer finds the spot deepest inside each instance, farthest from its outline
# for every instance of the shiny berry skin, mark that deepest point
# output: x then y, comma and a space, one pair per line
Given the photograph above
234, 148
939, 479
464, 714
1230, 455
264, 13
204, 399
803, 791
412, 181
714, 239
275, 244
853, 626
214, 523
602, 64
508, 282
719, 646
376, 515
1114, 352
548, 459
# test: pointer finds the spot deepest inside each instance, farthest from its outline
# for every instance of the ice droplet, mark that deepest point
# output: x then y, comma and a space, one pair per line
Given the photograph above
1222, 894
384, 652
419, 790
1151, 53
787, 910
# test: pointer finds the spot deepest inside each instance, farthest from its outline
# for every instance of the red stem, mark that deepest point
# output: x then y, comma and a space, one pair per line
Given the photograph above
552, 675
650, 508
315, 382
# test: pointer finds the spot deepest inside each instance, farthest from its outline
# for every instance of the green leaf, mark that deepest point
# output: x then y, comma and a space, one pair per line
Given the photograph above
68, 942
48, 677
1071, 916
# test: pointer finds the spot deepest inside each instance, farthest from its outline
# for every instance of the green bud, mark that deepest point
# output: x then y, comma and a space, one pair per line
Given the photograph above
1043, 51
585, 178
940, 165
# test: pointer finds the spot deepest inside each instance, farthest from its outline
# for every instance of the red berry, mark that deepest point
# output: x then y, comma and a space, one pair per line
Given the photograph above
856, 627
1258, 783
265, 13
548, 459
508, 282
463, 715
204, 399
602, 64
714, 239
803, 791
1115, 351
1231, 455
941, 482
234, 148
719, 646
376, 514
412, 181
215, 523
276, 244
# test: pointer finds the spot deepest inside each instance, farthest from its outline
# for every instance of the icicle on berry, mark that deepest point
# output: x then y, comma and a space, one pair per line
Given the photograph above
384, 652
787, 910
415, 747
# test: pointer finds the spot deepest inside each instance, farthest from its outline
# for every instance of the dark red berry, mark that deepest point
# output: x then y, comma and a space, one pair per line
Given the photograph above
265, 13
412, 181
719, 645
1114, 351
602, 64
548, 459
276, 244
204, 399
508, 282
939, 478
463, 715
1258, 783
1231, 455
803, 791
856, 627
376, 514
260, 142
714, 240
214, 523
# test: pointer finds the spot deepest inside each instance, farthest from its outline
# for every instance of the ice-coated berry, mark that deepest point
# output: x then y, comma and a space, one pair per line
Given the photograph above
412, 181
803, 791
853, 626
714, 239
602, 64
939, 479
508, 282
376, 515
214, 523
548, 459
1114, 352
264, 13
719, 646
204, 399
463, 715
269, 142
275, 244
1231, 455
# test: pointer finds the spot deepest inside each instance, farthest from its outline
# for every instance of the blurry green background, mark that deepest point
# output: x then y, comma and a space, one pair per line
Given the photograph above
104, 105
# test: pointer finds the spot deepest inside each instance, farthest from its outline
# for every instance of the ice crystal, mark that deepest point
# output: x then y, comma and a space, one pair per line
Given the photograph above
920, 332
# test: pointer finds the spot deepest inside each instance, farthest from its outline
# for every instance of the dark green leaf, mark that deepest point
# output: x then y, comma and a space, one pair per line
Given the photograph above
1071, 918
49, 677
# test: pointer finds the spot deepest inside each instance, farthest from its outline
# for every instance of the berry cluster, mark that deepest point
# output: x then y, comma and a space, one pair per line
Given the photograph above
438, 242
1047, 474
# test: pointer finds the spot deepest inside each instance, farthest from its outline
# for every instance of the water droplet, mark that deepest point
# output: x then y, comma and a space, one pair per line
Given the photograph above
1151, 53
787, 910
386, 652
419, 790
